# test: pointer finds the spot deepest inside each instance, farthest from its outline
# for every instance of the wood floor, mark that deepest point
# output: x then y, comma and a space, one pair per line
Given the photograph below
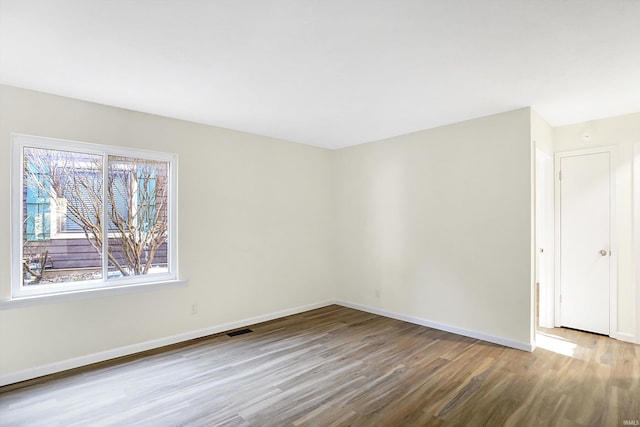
337, 366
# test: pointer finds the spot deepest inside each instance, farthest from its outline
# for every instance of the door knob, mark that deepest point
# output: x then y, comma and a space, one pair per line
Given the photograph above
603, 252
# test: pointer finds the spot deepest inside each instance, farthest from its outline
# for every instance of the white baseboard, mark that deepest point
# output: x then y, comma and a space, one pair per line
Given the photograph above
77, 362
441, 326
626, 336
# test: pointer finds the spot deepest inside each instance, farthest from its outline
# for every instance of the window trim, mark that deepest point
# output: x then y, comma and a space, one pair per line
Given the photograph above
18, 290
89, 293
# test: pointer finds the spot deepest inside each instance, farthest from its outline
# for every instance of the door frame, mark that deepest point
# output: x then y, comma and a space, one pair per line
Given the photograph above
613, 241
635, 179
545, 238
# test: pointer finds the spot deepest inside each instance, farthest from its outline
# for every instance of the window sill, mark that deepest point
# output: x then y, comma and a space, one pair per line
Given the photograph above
89, 293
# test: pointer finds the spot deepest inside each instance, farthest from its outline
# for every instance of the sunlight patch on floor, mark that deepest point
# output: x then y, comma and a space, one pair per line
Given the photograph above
556, 344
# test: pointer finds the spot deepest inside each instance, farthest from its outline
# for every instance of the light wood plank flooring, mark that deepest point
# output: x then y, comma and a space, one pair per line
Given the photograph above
336, 367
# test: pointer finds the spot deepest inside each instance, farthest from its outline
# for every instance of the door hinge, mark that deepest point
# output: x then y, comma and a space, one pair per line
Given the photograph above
560, 298
560, 175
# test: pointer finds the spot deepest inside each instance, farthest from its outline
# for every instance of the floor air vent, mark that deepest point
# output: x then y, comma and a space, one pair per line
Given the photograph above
239, 332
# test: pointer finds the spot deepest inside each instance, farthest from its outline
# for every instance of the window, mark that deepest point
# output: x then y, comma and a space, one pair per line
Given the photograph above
87, 216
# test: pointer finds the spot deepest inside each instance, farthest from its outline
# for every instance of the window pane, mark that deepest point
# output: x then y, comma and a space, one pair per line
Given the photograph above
137, 213
62, 189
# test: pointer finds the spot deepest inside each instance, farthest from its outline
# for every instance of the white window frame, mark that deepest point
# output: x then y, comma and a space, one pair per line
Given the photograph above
21, 292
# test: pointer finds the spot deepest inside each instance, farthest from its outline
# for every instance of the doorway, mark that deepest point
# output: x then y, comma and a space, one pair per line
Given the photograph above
585, 260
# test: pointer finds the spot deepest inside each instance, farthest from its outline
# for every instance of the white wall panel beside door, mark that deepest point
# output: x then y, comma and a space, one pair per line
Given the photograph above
544, 238
586, 265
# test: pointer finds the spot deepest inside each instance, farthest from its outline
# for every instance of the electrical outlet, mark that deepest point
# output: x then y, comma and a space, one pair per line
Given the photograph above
377, 293
194, 308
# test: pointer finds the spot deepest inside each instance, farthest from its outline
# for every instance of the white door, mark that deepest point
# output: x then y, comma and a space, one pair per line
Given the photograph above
585, 241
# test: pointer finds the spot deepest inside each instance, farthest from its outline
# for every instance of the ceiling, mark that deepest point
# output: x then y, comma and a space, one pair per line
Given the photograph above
329, 73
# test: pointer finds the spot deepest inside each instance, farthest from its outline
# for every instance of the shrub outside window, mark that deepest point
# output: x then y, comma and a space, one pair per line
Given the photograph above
88, 216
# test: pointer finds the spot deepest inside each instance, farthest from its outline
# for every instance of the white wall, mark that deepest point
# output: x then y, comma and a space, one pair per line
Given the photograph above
622, 132
541, 133
254, 232
436, 226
